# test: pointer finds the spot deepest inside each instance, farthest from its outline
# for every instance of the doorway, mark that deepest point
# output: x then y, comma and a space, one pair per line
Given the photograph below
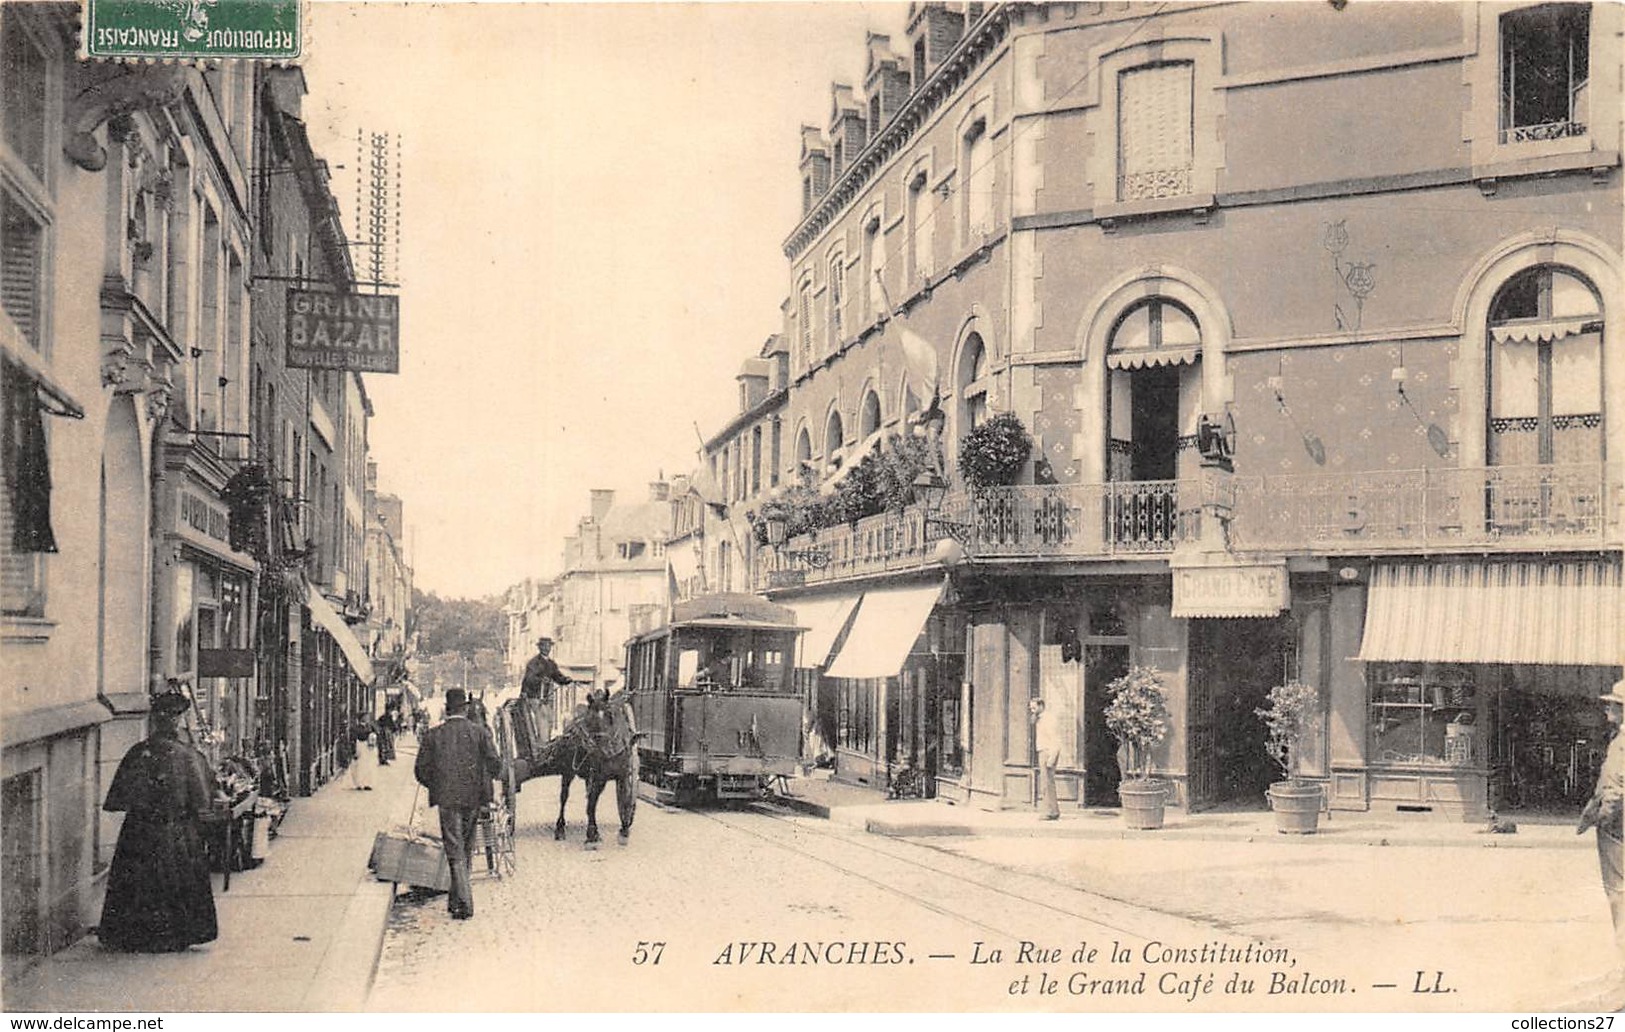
1233, 665
1102, 664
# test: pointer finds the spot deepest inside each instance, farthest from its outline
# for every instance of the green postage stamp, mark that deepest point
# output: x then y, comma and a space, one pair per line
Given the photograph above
187, 30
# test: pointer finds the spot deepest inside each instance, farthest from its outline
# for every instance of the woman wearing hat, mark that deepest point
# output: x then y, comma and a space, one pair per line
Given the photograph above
159, 899
1605, 812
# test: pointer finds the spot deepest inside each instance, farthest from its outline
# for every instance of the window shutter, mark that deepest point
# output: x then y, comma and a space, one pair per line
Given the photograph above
1155, 130
21, 251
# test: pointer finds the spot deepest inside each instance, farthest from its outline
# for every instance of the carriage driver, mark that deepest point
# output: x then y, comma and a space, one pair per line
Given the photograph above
541, 673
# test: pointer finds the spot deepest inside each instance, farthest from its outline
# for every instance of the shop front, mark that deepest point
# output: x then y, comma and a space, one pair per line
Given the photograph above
336, 678
888, 682
1482, 681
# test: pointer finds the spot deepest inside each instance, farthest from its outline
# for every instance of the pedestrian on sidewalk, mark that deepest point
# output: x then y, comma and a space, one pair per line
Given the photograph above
1606, 810
1047, 738
159, 899
387, 724
457, 761
364, 763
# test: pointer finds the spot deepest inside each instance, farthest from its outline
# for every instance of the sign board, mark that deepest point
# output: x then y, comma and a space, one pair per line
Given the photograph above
225, 662
358, 333
193, 29
1228, 591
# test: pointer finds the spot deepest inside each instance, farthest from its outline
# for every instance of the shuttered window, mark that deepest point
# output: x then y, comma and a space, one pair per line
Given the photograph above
26, 83
804, 328
1155, 131
22, 253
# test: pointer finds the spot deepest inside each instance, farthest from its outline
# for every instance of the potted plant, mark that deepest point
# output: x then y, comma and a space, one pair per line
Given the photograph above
1293, 710
1137, 716
994, 453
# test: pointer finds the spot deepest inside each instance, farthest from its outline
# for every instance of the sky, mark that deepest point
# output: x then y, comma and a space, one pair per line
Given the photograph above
594, 200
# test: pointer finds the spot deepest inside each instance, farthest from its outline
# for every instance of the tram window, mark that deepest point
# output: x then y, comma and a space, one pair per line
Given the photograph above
688, 667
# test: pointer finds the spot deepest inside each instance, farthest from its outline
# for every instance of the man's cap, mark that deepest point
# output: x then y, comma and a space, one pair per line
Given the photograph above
1616, 694
170, 704
456, 697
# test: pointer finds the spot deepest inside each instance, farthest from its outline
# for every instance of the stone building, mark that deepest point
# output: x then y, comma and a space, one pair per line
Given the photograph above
1307, 310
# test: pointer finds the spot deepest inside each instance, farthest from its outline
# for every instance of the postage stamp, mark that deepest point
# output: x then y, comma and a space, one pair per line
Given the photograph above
269, 30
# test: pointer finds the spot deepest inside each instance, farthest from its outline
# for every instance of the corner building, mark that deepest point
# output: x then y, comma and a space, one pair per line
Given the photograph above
1372, 254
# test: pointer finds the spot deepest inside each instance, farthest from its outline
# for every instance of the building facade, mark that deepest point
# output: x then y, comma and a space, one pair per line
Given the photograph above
1323, 397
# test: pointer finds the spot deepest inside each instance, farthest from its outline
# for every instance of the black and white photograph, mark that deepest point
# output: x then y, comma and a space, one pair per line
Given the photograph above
812, 508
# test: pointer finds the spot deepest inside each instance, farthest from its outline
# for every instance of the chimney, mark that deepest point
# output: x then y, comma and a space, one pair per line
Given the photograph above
886, 81
847, 130
602, 499
659, 491
814, 167
932, 31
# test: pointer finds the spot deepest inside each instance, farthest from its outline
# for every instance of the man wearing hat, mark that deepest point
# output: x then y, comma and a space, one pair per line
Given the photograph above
159, 899
1605, 810
457, 761
541, 673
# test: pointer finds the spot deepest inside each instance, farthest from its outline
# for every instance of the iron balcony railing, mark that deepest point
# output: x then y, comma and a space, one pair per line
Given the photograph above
1511, 507
1514, 508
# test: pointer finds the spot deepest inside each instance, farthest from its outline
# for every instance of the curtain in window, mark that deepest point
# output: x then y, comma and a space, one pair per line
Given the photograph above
27, 463
1155, 131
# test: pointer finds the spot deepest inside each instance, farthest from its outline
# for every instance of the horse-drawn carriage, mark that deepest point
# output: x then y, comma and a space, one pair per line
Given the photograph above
714, 698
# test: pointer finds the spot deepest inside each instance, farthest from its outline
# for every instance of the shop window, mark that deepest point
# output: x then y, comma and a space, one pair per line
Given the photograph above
1155, 131
856, 723
1424, 715
1545, 72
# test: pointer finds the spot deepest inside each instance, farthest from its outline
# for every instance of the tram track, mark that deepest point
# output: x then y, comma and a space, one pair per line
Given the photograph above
1035, 894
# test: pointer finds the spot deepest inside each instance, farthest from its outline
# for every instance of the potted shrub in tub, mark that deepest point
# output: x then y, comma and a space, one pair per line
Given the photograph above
1293, 711
1137, 716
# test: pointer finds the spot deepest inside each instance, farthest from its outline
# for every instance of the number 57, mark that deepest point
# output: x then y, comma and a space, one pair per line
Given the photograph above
648, 953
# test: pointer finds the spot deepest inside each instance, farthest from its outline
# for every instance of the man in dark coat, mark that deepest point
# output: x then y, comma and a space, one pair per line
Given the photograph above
159, 899
541, 674
457, 761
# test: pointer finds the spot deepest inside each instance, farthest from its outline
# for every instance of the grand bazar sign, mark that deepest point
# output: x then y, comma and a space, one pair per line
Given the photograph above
357, 333
1226, 591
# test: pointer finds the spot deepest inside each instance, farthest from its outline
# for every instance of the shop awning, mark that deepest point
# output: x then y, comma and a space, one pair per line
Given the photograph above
888, 622
824, 619
328, 619
1543, 329
1557, 612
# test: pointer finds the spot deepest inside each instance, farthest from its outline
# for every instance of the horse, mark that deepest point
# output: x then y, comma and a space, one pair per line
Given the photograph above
599, 745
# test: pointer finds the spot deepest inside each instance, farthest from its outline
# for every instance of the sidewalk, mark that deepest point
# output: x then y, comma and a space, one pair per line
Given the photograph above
860, 807
301, 932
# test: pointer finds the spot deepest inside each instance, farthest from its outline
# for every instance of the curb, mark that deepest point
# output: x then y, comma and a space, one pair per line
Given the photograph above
943, 829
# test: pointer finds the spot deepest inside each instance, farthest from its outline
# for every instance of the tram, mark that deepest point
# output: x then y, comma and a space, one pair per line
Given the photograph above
713, 693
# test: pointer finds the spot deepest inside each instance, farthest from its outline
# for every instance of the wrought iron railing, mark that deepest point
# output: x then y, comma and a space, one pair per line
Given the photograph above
1542, 131
1508, 506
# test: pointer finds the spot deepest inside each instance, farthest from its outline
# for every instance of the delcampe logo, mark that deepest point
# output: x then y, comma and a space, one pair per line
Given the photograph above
192, 29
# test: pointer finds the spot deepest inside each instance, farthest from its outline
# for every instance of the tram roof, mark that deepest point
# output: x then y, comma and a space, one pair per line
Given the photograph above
731, 611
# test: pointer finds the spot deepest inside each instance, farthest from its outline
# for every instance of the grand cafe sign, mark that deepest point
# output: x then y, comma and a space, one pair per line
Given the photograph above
1232, 590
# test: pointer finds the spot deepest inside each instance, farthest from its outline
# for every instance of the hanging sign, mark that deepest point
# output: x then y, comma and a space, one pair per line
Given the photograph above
358, 333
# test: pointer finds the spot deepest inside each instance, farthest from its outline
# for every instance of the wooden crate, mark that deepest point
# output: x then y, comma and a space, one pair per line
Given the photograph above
416, 861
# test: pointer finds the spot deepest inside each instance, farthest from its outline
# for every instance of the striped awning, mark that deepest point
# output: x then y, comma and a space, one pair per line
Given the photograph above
323, 615
1141, 358
1556, 612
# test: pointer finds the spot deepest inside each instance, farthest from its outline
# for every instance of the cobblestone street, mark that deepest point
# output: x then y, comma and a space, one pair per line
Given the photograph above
563, 932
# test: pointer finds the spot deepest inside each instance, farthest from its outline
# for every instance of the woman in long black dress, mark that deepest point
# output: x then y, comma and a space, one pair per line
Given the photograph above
159, 899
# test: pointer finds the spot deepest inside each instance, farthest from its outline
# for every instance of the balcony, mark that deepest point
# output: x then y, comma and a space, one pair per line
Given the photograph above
1500, 508
1511, 508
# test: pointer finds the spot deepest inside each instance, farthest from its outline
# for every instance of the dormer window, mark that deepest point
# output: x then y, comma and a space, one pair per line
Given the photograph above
1545, 72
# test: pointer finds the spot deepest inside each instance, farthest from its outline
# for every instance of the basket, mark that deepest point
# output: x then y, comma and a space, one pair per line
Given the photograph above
411, 857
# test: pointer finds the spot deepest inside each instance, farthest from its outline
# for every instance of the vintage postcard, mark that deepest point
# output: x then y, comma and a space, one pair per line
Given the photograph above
851, 508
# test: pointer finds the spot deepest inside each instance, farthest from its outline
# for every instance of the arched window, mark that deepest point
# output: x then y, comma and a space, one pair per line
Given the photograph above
1152, 394
869, 416
803, 451
973, 384
834, 439
837, 299
1545, 370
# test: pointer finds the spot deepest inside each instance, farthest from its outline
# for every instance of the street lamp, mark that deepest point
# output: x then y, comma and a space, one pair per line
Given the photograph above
932, 490
778, 530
